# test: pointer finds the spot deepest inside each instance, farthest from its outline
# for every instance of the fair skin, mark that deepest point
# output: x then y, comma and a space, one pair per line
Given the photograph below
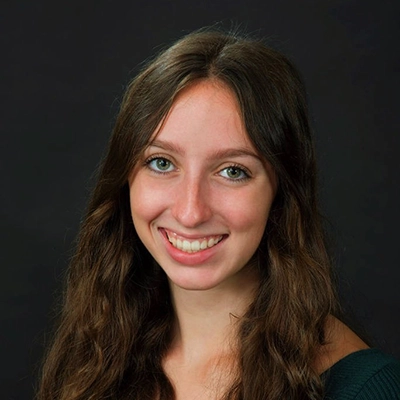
196, 206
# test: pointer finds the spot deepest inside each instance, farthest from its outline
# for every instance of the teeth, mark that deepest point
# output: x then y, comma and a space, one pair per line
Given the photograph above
195, 246
192, 246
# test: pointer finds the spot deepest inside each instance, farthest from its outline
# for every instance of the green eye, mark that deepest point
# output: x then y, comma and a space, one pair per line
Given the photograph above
234, 173
160, 165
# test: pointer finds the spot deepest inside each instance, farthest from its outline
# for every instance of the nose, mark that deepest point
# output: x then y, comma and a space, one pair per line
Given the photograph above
191, 206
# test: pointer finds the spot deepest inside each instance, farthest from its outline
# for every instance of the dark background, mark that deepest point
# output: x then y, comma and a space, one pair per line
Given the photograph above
64, 67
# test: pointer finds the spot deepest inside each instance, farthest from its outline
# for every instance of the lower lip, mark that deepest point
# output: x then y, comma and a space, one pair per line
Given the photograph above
184, 258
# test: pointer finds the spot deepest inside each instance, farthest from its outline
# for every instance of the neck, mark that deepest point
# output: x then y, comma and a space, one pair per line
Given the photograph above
207, 321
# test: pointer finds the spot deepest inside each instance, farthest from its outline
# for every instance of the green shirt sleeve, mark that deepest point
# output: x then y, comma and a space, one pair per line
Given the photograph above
364, 375
383, 385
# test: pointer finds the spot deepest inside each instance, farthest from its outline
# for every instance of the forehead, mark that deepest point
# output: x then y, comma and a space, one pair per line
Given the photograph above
206, 112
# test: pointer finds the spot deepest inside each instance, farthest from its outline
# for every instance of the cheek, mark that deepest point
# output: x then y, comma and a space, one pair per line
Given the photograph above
145, 202
249, 212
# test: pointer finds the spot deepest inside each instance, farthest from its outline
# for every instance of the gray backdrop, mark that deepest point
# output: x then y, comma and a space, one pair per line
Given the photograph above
65, 65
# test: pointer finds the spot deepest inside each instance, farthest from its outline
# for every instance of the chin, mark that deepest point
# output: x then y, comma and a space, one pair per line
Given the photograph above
189, 279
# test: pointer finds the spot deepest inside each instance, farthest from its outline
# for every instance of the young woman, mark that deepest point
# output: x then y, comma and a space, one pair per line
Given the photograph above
201, 270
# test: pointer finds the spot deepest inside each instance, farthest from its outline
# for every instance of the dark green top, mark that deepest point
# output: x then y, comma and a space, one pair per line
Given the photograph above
363, 375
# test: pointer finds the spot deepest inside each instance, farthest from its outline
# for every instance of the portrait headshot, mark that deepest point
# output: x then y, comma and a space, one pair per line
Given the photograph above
201, 201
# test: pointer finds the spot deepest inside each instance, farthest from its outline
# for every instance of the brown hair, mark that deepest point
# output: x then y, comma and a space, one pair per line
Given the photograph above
117, 318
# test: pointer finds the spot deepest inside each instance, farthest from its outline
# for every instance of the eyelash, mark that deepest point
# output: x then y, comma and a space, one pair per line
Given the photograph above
242, 169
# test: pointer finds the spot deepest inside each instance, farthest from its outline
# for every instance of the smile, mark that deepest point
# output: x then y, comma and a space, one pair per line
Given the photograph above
192, 246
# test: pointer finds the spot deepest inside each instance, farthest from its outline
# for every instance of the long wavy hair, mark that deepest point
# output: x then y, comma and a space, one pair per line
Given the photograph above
117, 317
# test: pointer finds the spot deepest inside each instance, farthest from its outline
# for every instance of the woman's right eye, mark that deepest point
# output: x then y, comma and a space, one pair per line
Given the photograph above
159, 164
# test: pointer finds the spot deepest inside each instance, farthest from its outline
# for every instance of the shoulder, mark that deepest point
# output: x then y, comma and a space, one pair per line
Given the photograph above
363, 375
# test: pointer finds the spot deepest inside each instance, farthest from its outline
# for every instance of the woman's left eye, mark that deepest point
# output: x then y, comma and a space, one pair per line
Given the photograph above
160, 164
234, 173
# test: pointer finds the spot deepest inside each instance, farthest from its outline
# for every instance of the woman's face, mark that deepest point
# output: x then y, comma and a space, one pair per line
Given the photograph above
201, 195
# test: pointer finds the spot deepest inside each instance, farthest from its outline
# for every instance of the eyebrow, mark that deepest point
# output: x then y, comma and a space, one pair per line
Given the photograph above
223, 153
